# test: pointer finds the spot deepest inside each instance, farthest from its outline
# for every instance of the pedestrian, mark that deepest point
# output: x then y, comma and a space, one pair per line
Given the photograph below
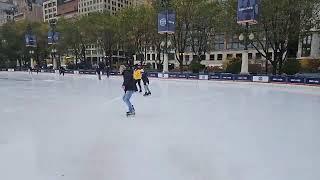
129, 87
98, 70
61, 71
108, 70
137, 77
30, 70
38, 69
146, 83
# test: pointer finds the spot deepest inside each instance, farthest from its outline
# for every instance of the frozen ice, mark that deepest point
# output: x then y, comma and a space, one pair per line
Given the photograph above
74, 128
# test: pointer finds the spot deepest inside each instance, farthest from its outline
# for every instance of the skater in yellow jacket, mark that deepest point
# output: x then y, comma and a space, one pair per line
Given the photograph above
137, 75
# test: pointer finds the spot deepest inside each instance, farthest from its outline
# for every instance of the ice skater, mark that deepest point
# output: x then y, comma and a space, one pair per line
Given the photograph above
146, 83
30, 70
61, 71
129, 87
137, 77
98, 70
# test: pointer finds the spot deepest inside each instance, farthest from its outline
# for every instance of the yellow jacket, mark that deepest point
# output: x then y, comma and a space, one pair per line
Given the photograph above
137, 74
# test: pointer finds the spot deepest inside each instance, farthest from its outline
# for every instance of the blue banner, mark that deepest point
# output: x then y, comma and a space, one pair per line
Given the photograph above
242, 77
173, 75
315, 81
153, 74
214, 77
53, 37
30, 40
193, 76
227, 77
166, 22
182, 76
295, 80
248, 11
282, 79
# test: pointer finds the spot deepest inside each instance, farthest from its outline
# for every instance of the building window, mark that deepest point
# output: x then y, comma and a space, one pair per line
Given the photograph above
258, 56
148, 56
239, 56
219, 57
306, 45
171, 56
203, 57
219, 42
187, 57
233, 43
229, 56
153, 57
249, 55
211, 57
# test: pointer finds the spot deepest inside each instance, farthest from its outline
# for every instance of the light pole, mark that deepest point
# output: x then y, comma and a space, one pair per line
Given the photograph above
53, 55
165, 46
245, 37
31, 52
52, 23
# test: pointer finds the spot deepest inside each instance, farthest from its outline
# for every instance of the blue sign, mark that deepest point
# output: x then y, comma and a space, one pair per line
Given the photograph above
315, 81
214, 77
182, 76
173, 75
248, 11
53, 37
297, 80
30, 40
242, 77
193, 76
155, 75
278, 79
227, 77
166, 22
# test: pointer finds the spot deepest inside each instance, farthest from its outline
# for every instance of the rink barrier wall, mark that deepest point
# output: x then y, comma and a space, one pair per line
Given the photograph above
299, 80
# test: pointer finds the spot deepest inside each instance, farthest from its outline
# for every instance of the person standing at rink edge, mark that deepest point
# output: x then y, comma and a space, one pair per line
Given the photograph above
137, 75
129, 87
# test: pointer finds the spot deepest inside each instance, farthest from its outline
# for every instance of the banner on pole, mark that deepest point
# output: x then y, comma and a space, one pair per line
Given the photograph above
30, 40
248, 11
53, 37
166, 22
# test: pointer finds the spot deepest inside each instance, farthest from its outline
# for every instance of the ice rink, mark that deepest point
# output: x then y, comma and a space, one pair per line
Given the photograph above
75, 128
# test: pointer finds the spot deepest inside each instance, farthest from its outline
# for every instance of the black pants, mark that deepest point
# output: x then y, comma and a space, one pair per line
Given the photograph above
138, 81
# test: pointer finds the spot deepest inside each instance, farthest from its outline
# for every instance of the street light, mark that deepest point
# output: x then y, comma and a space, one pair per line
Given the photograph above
245, 39
164, 45
31, 52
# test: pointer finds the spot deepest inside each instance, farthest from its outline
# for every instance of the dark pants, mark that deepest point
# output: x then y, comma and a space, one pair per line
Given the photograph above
138, 81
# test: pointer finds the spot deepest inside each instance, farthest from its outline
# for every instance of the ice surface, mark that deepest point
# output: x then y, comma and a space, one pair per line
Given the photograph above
74, 128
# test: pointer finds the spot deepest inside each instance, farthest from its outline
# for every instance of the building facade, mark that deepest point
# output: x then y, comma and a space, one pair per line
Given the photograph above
23, 12
50, 10
68, 9
6, 12
88, 6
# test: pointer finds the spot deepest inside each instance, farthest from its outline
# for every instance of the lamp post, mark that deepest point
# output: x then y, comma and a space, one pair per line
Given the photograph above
245, 37
52, 23
53, 55
31, 52
165, 45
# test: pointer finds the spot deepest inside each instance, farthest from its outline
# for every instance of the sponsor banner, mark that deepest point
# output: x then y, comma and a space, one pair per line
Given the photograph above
166, 22
182, 76
240, 77
193, 76
173, 75
69, 71
248, 11
30, 40
160, 75
152, 74
227, 77
75, 72
2, 69
203, 77
260, 79
294, 79
214, 76
165, 75
10, 70
53, 37
282, 79
315, 81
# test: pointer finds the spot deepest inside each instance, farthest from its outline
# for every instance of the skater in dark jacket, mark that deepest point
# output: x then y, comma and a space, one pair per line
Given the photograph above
146, 82
129, 86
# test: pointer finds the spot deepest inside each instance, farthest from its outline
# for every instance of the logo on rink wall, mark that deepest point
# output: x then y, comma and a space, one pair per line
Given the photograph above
278, 79
296, 79
260, 78
313, 81
227, 77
